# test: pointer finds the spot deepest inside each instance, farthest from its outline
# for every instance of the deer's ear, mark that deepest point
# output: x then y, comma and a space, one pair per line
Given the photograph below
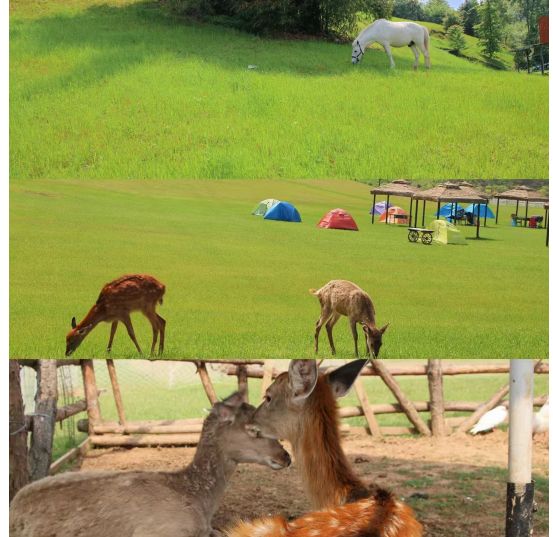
384, 328
73, 323
341, 380
224, 412
302, 378
234, 400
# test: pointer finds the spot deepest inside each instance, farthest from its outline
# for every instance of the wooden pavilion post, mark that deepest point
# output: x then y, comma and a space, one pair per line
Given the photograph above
411, 210
423, 212
116, 392
19, 470
387, 207
438, 213
91, 395
486, 213
416, 212
206, 382
373, 211
406, 405
516, 212
526, 215
436, 390
44, 419
497, 211
478, 222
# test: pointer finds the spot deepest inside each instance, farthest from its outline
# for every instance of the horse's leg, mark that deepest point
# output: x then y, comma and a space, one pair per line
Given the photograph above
426, 55
388, 50
416, 54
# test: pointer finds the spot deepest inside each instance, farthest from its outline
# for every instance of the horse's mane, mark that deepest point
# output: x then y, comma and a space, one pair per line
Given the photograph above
367, 28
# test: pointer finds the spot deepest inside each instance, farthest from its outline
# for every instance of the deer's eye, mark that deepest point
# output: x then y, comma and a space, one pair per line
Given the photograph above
267, 398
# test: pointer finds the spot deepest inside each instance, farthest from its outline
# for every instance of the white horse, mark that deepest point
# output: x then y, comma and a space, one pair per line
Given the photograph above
393, 34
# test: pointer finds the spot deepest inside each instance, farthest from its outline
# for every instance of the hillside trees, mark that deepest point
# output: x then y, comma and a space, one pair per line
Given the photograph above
490, 28
436, 10
408, 9
456, 38
468, 11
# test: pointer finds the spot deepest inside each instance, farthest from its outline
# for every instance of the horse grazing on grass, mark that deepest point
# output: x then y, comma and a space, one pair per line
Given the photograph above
393, 34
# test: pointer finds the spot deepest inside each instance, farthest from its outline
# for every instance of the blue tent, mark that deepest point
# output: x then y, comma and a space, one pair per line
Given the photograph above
480, 209
448, 209
379, 208
283, 211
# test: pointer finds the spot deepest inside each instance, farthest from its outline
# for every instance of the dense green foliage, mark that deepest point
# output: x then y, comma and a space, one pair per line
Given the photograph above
237, 285
122, 90
456, 38
490, 28
468, 11
451, 19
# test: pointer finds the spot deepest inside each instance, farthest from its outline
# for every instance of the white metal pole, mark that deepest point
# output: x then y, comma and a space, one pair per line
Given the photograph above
520, 489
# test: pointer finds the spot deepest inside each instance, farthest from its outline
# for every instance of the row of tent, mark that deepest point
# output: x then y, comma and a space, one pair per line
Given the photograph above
272, 209
447, 210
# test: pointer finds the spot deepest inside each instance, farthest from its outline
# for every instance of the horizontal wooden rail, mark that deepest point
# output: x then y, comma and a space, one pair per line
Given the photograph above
70, 456
115, 440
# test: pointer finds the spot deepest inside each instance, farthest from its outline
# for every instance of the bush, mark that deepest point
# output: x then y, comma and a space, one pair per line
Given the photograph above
314, 17
408, 9
452, 18
456, 38
436, 10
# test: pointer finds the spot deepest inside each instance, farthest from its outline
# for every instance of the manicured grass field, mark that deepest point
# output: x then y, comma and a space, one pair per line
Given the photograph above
237, 285
120, 89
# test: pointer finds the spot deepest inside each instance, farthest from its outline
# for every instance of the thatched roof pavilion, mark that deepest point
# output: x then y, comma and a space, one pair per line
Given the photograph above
520, 193
450, 193
399, 187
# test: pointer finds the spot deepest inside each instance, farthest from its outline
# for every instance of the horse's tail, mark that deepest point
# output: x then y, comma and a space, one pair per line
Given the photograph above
426, 38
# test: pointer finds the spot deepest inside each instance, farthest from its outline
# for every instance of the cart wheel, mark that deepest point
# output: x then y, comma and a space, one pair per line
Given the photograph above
426, 238
413, 236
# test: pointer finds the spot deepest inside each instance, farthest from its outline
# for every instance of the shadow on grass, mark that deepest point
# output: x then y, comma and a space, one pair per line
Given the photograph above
116, 38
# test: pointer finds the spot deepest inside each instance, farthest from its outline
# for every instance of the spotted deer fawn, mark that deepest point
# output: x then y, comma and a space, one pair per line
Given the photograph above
340, 297
300, 406
147, 504
117, 299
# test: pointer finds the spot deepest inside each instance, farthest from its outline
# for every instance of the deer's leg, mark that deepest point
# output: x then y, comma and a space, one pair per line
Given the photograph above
353, 325
325, 316
130, 330
112, 334
161, 322
329, 326
152, 317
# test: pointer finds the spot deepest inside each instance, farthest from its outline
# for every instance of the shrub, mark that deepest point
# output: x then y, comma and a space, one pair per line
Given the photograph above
456, 38
452, 18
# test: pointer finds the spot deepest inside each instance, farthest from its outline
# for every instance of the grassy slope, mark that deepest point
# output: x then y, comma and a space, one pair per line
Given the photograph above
237, 285
118, 90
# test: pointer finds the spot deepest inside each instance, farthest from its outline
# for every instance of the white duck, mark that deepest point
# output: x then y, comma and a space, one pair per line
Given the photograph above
491, 419
540, 420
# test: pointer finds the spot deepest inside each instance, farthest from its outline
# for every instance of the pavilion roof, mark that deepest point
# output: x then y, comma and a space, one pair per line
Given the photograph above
399, 187
522, 193
451, 192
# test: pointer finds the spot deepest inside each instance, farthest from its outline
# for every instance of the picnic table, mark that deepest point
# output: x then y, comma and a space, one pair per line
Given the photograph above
416, 233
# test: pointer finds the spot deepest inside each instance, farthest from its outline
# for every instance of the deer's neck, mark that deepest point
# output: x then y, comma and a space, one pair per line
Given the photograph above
93, 317
325, 470
207, 476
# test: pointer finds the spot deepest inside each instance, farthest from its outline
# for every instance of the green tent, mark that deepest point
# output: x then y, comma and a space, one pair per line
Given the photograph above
446, 233
264, 206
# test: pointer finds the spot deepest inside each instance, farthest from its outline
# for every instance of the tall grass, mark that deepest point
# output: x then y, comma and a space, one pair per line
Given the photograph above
120, 89
237, 285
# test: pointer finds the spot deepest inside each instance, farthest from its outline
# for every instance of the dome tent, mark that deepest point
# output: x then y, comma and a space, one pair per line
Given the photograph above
379, 208
283, 211
446, 233
394, 215
338, 219
481, 208
264, 206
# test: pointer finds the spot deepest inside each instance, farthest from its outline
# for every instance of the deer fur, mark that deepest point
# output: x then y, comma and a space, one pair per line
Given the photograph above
340, 297
300, 406
147, 504
117, 300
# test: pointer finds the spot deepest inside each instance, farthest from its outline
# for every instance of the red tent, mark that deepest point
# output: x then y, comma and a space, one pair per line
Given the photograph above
338, 219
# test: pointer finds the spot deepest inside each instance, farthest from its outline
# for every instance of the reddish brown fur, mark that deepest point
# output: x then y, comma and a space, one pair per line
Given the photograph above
341, 297
352, 508
117, 300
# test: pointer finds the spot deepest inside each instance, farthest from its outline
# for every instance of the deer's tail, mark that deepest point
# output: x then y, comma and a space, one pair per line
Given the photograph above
380, 515
314, 292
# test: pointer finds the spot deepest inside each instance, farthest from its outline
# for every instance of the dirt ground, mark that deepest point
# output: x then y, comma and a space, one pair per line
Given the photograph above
456, 485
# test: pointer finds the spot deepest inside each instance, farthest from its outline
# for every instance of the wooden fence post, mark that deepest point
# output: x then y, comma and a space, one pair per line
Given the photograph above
436, 390
116, 391
243, 382
19, 470
374, 429
44, 419
405, 404
206, 382
91, 395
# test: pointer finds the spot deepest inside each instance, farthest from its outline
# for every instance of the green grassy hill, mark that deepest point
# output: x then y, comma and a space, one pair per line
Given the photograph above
120, 89
237, 285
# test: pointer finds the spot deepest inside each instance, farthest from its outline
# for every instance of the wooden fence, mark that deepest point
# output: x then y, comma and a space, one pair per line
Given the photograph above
37, 459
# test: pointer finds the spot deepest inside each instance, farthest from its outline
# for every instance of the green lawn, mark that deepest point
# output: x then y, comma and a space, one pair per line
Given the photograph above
237, 285
120, 89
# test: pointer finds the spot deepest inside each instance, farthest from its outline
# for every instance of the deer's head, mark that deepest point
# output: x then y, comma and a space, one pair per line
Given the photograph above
75, 337
232, 416
294, 395
374, 337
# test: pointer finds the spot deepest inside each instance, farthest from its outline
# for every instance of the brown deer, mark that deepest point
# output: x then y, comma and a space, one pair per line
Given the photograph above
147, 504
340, 297
117, 299
300, 406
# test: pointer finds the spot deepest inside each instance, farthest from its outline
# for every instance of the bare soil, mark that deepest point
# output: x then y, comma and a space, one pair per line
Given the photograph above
456, 485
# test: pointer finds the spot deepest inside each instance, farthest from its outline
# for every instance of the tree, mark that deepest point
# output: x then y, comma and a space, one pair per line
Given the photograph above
456, 38
436, 10
490, 29
408, 9
452, 18
469, 16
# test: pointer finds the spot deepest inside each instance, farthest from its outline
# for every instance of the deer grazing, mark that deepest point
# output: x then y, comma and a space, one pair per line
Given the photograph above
340, 297
300, 406
117, 299
147, 504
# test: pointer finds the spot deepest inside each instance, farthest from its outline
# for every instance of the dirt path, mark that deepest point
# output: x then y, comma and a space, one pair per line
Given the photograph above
456, 486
